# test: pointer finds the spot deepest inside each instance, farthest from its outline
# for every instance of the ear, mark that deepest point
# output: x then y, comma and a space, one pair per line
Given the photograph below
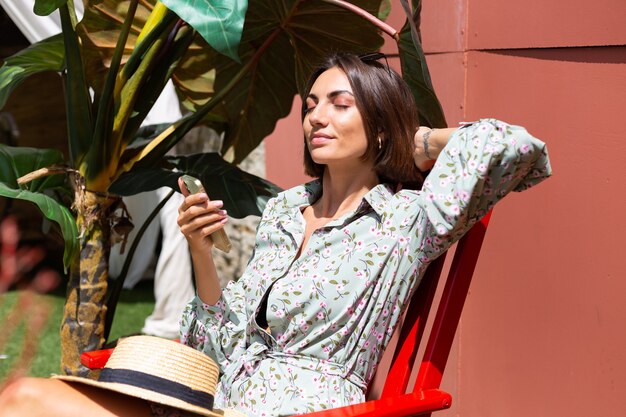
381, 139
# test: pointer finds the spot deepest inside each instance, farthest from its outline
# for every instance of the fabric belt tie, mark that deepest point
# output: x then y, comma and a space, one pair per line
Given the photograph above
258, 351
323, 366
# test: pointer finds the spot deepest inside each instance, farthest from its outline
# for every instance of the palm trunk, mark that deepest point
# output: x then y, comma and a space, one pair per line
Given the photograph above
82, 328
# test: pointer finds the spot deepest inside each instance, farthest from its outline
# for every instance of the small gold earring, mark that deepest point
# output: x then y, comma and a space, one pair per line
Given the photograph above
380, 143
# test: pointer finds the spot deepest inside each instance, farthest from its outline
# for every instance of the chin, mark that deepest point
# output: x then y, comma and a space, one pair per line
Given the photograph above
321, 156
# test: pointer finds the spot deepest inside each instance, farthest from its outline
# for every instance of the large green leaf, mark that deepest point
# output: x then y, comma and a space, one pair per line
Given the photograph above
284, 41
100, 30
415, 71
46, 55
219, 22
78, 100
194, 78
253, 107
18, 161
243, 193
155, 82
103, 20
45, 7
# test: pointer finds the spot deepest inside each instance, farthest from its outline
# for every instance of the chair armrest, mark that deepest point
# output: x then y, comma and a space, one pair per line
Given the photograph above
405, 405
95, 359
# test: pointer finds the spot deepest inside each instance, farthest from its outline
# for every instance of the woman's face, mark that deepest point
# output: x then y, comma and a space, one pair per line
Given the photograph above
333, 126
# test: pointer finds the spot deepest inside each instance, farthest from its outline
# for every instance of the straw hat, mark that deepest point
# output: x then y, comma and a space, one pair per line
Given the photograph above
161, 371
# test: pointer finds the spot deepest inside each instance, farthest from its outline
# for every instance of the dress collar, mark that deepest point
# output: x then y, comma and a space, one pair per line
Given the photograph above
306, 194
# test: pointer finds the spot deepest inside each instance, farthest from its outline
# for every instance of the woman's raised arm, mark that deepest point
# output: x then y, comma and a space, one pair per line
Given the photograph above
477, 166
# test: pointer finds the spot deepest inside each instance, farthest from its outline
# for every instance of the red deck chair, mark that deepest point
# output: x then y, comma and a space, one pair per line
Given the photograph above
426, 395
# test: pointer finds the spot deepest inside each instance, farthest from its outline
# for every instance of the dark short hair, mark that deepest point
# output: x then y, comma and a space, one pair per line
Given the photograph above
388, 109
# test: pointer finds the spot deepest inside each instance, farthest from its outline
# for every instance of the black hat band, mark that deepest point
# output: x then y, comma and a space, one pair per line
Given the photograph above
158, 384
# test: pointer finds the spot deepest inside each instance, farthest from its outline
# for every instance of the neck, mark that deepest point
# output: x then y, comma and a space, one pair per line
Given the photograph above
343, 191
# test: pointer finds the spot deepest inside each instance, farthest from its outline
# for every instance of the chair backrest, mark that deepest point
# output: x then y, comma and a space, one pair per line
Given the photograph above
443, 329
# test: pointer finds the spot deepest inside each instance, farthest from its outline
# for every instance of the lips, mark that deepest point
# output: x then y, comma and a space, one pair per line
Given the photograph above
318, 139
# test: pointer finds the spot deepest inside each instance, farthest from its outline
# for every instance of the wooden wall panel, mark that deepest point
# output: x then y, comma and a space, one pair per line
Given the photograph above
448, 76
497, 24
444, 24
541, 332
284, 150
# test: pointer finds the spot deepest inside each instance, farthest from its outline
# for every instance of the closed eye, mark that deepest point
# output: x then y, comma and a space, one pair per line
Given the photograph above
310, 103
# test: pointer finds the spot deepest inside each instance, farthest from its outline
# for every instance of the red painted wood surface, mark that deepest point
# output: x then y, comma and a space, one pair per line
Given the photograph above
497, 24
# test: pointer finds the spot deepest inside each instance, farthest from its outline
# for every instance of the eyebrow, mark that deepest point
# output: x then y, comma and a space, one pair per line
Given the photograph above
332, 94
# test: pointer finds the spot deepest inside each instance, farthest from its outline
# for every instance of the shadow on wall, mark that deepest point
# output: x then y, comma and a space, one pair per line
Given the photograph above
593, 55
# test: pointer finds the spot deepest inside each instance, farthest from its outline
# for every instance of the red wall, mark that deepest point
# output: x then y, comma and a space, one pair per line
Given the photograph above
543, 329
541, 334
542, 321
284, 150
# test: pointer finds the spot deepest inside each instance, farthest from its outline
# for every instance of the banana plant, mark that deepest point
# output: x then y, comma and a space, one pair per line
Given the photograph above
236, 65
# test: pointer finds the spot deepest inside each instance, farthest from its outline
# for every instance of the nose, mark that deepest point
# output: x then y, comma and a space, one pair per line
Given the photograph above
318, 115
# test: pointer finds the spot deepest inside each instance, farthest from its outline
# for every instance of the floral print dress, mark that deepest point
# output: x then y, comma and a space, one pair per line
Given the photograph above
331, 312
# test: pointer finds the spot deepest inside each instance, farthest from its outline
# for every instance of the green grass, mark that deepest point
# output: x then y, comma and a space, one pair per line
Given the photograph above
134, 306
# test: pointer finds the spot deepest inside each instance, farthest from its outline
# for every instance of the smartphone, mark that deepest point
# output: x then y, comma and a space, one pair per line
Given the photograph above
220, 239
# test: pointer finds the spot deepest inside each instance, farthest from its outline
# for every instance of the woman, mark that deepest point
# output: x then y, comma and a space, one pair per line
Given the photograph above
336, 259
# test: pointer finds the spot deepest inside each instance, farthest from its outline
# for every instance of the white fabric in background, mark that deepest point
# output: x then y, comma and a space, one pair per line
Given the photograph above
34, 27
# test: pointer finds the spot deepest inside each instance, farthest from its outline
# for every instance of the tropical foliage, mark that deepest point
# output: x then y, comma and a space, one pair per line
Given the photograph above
236, 65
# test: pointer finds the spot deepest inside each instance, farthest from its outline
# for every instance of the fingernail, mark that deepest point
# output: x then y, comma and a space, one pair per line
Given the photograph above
223, 212
218, 203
